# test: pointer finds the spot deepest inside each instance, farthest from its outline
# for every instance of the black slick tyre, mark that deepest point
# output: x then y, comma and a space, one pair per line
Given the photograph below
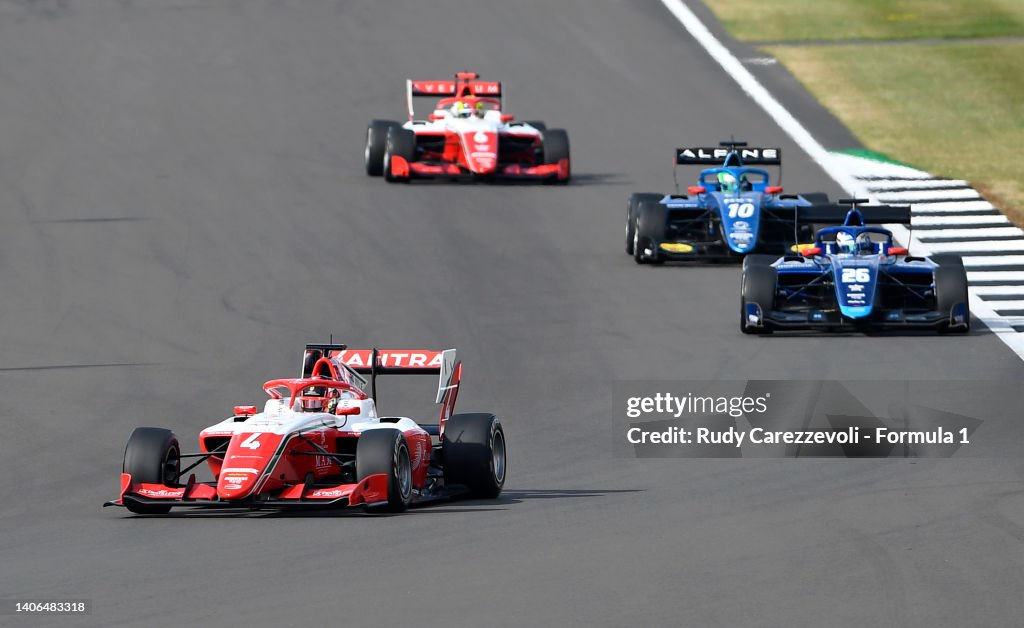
385, 451
758, 287
650, 229
632, 206
474, 453
152, 456
376, 143
401, 143
950, 289
758, 259
555, 148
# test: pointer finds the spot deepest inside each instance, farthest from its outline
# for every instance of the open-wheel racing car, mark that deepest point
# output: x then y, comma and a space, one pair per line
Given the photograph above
468, 136
319, 442
733, 210
854, 277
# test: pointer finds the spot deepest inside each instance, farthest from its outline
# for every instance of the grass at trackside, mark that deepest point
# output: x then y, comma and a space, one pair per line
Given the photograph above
769, 20
954, 109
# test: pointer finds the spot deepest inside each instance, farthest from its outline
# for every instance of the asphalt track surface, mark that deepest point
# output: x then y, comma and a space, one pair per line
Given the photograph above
184, 206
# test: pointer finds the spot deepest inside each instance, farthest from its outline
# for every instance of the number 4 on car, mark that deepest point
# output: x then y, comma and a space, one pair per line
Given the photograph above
319, 442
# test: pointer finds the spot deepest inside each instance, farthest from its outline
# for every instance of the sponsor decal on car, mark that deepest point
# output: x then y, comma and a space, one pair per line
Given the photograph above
330, 492
161, 493
676, 247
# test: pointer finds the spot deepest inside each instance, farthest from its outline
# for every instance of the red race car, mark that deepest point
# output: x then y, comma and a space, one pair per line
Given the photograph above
467, 136
319, 442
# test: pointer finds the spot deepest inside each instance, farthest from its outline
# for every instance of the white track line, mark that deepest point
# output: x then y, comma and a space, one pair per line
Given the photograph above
985, 246
993, 260
919, 196
954, 208
916, 184
989, 291
987, 232
995, 275
928, 221
829, 163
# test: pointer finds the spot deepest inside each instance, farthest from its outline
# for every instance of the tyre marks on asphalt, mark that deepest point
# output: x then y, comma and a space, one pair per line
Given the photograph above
950, 216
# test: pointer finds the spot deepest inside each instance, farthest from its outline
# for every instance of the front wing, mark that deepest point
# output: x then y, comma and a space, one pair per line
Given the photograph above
370, 491
706, 241
402, 168
831, 319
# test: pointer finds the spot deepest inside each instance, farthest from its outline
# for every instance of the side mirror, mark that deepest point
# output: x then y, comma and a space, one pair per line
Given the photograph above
696, 189
245, 410
811, 251
507, 117
347, 410
898, 250
435, 117
773, 189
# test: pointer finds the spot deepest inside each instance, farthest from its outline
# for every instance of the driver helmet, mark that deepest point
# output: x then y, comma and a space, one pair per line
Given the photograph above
864, 244
727, 182
480, 109
845, 244
312, 404
461, 109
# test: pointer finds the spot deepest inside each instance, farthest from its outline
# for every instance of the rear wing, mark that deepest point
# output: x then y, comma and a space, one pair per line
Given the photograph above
376, 362
836, 214
736, 154
465, 84
727, 154
848, 212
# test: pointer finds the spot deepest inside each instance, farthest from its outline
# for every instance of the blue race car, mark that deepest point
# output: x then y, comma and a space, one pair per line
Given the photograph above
732, 211
854, 278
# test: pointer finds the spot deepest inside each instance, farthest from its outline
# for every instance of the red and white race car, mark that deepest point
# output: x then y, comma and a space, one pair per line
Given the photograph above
319, 442
467, 136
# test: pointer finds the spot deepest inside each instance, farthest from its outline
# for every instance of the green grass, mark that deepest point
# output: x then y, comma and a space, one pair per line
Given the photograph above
771, 20
954, 109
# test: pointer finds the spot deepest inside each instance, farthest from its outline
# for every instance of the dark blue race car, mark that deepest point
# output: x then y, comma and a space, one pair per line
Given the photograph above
855, 278
732, 211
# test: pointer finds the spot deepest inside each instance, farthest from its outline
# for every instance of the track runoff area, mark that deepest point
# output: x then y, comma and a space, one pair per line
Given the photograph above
947, 216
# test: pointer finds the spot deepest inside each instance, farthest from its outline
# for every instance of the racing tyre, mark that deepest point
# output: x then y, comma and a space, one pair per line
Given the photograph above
951, 288
474, 453
385, 451
555, 147
153, 456
649, 230
758, 259
632, 206
537, 124
376, 143
402, 143
758, 287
